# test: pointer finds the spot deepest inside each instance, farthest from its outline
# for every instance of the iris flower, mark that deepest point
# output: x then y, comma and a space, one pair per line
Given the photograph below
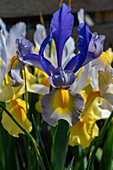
17, 107
99, 101
61, 102
7, 49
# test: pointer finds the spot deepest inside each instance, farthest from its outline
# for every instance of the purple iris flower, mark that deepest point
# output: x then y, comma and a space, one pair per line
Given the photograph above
24, 48
61, 103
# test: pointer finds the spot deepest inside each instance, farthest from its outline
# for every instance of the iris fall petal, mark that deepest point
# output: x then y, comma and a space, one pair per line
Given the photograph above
61, 104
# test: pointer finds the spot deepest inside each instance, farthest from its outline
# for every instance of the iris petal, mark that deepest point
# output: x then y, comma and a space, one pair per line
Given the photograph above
46, 40
83, 44
24, 46
95, 47
62, 105
79, 134
15, 32
39, 35
15, 71
85, 36
17, 109
62, 21
3, 58
39, 62
62, 78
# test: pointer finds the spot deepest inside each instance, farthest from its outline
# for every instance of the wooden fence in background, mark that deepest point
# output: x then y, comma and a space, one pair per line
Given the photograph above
100, 11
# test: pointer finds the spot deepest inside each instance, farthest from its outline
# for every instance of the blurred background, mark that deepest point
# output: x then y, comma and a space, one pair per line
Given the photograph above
98, 15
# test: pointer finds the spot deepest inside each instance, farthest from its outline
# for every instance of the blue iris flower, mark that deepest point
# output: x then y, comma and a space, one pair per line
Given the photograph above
61, 103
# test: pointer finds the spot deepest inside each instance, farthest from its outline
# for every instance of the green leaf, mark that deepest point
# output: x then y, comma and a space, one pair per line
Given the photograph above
29, 136
107, 157
60, 147
99, 140
70, 165
41, 145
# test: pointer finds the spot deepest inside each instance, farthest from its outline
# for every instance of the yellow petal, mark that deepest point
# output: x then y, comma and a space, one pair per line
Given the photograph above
110, 54
17, 109
90, 99
105, 78
38, 106
106, 56
9, 92
83, 132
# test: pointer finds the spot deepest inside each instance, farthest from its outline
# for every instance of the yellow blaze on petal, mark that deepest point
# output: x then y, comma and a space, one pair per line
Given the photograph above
61, 100
0, 61
110, 54
36, 50
19, 106
104, 54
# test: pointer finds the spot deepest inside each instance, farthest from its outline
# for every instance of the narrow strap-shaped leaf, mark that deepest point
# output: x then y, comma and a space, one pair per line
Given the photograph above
61, 144
29, 136
107, 156
41, 144
70, 165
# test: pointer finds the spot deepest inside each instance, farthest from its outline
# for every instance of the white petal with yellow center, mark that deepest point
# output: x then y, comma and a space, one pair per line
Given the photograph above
62, 104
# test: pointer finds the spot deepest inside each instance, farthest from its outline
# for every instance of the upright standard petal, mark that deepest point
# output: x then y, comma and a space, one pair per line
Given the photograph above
3, 27
3, 58
85, 35
24, 46
61, 104
39, 36
62, 21
95, 48
38, 60
80, 16
15, 32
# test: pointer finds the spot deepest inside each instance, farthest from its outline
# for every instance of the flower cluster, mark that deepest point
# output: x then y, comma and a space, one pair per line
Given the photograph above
74, 87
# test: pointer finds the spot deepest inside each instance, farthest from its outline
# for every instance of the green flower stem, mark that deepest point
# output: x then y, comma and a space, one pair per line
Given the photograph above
25, 90
50, 48
41, 143
29, 136
99, 140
